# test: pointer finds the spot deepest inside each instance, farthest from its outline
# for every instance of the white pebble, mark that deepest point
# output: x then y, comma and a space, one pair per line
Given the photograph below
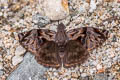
94, 63
91, 71
1, 13
17, 23
55, 74
92, 5
1, 43
53, 28
16, 60
5, 15
65, 79
99, 66
83, 75
7, 27
1, 65
84, 7
109, 64
35, 21
6, 6
21, 21
81, 70
19, 51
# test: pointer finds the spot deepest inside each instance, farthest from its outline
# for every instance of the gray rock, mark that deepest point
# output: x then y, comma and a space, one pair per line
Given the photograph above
85, 78
56, 9
19, 51
40, 20
83, 75
100, 76
29, 69
1, 72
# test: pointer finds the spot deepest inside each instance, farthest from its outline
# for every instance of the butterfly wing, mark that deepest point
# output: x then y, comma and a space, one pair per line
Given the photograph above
40, 43
89, 37
48, 55
76, 54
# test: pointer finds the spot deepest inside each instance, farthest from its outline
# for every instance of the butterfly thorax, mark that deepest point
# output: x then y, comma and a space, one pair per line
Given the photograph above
61, 39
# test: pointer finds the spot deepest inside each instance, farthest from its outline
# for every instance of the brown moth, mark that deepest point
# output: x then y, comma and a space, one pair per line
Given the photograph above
62, 48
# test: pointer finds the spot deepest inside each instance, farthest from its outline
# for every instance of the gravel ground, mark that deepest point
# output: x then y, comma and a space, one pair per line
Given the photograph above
22, 15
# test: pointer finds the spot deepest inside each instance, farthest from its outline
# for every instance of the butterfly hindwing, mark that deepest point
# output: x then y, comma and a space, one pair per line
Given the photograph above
48, 55
76, 53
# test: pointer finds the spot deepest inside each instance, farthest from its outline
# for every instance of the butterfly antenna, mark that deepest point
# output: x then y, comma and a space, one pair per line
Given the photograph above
62, 66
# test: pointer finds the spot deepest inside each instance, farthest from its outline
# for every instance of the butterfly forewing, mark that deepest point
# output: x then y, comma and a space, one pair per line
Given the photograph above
38, 42
30, 40
89, 37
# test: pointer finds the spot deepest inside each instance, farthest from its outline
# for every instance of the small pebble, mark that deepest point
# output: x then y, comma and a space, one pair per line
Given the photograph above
5, 15
1, 65
81, 70
1, 13
40, 20
74, 75
99, 66
92, 6
114, 38
65, 78
7, 27
19, 51
1, 43
16, 60
74, 79
83, 75
91, 71
54, 79
55, 74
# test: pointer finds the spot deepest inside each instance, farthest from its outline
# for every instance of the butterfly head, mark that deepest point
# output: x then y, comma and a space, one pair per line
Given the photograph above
61, 27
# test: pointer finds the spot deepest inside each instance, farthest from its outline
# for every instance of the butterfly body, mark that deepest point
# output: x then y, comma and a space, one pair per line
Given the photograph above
62, 48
